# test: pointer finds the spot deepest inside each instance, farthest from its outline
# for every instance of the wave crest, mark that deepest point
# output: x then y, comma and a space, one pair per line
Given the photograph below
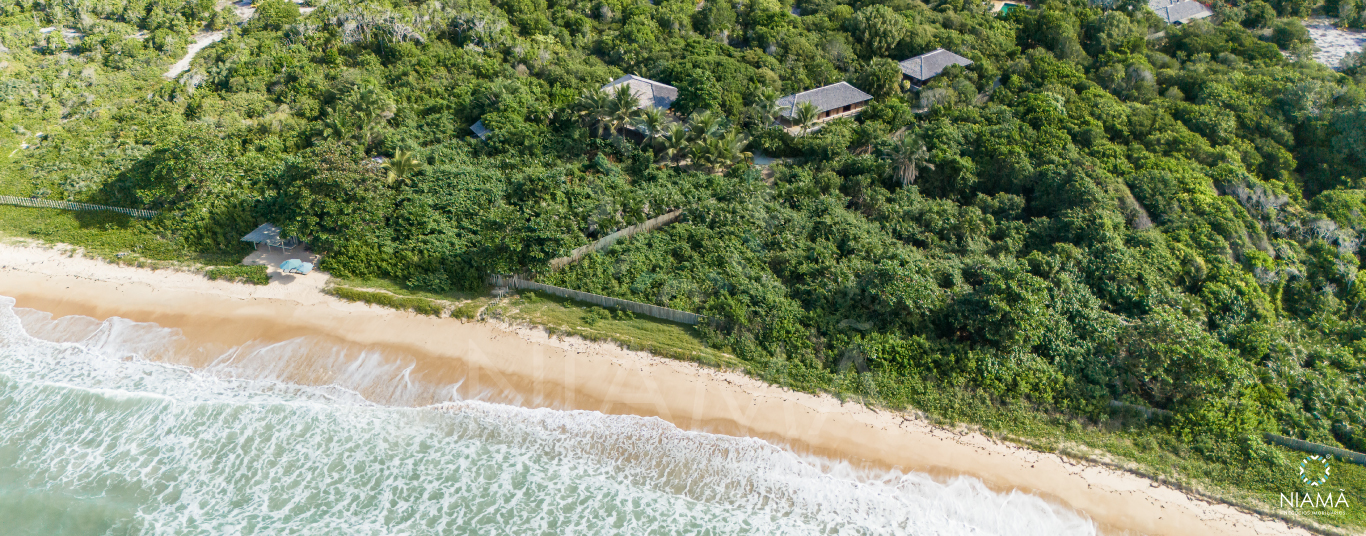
95, 438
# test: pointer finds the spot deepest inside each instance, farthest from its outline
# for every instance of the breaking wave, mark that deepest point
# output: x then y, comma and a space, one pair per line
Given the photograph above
99, 435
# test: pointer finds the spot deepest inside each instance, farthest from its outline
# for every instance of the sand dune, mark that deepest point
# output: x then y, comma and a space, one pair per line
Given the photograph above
525, 366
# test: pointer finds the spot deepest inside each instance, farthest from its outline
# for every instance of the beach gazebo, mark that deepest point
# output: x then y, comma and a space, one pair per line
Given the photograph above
270, 236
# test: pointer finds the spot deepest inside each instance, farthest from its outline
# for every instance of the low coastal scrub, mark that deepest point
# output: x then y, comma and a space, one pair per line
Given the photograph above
420, 306
394, 287
465, 310
468, 310
103, 234
255, 275
462, 305
561, 316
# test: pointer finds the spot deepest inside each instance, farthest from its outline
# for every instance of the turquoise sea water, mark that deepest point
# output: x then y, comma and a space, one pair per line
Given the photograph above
96, 440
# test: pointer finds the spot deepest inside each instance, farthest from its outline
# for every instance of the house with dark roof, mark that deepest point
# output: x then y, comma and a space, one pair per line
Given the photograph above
1179, 11
480, 130
922, 68
834, 100
649, 93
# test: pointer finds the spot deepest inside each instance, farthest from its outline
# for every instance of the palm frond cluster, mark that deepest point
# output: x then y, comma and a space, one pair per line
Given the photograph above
361, 115
767, 110
704, 141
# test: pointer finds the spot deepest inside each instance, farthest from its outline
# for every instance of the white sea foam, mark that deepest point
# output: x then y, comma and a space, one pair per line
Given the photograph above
96, 439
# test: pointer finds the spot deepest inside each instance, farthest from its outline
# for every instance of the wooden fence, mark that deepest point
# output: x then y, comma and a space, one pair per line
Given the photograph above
1315, 448
1288, 442
656, 311
1146, 411
67, 205
607, 241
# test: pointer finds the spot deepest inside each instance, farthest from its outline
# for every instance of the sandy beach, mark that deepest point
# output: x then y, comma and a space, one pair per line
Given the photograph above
525, 366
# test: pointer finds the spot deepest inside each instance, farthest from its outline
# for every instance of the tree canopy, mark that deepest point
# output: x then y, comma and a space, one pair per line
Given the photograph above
1086, 214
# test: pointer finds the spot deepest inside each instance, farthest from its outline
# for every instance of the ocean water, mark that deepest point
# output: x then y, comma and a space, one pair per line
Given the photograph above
99, 436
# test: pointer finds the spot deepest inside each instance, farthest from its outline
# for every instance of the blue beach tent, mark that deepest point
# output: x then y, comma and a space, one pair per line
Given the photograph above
296, 266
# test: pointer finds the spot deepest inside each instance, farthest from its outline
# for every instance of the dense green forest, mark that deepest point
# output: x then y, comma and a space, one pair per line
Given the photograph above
1088, 213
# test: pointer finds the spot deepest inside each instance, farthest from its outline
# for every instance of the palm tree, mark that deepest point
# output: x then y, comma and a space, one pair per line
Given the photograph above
907, 155
623, 107
336, 127
729, 150
373, 109
735, 147
674, 143
651, 123
400, 166
717, 153
706, 124
766, 107
806, 115
594, 107
703, 153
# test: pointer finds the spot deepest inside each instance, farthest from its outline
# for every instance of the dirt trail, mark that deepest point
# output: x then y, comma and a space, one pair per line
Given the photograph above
245, 11
200, 41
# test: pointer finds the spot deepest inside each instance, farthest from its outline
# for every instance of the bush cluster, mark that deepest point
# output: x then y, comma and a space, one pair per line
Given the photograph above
420, 306
255, 275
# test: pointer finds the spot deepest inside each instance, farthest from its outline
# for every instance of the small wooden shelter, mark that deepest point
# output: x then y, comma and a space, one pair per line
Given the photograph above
270, 236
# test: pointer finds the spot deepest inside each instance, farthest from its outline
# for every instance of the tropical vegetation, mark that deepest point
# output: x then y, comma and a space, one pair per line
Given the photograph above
1101, 212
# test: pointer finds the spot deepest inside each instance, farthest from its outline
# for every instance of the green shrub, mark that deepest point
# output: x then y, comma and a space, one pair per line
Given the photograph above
468, 310
255, 275
1287, 33
774, 142
274, 15
403, 303
595, 315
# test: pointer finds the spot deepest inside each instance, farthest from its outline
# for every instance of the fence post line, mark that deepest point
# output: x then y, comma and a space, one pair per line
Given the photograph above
1302, 445
656, 311
68, 205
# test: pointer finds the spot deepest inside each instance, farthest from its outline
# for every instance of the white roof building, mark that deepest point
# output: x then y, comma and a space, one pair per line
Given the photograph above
650, 93
1179, 11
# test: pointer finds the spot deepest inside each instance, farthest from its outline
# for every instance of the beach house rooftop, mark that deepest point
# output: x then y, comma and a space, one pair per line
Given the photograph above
834, 100
922, 68
1179, 11
650, 93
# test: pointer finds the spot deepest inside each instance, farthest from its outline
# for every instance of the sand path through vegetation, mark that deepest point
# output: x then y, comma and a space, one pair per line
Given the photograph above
200, 41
